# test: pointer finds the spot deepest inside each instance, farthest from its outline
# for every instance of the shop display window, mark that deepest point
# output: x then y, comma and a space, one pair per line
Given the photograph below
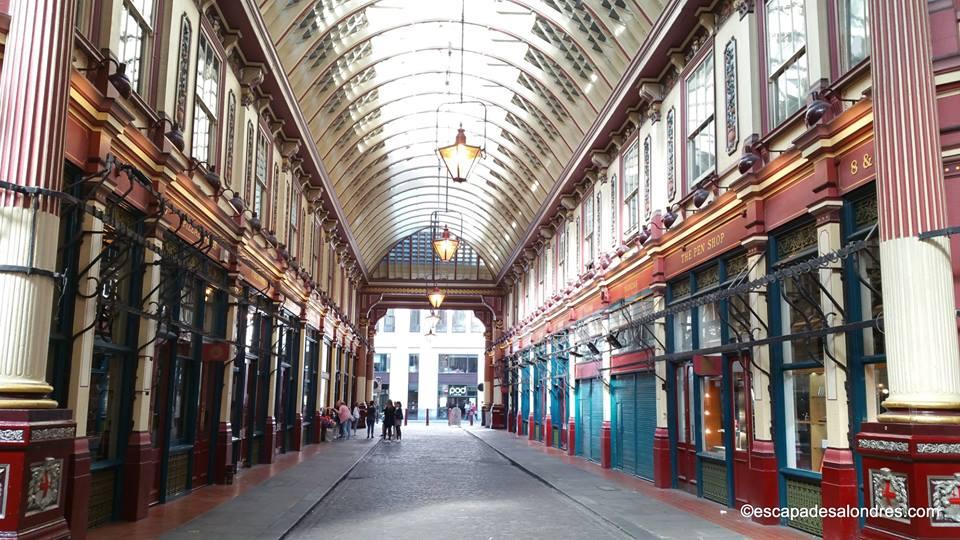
741, 433
710, 324
683, 331
711, 419
806, 418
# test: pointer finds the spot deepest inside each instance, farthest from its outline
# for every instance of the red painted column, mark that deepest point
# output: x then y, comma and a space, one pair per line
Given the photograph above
317, 426
606, 460
519, 424
297, 443
913, 446
530, 427
269, 445
763, 479
39, 460
662, 473
223, 460
572, 437
78, 488
138, 471
547, 430
838, 489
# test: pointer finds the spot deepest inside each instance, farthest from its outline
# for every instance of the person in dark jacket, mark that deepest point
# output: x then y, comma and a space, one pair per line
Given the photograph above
388, 413
398, 419
371, 418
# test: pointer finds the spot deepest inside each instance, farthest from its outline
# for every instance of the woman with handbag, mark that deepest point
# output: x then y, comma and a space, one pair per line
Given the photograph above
397, 419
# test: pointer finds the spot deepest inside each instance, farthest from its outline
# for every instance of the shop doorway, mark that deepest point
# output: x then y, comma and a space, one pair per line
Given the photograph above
686, 447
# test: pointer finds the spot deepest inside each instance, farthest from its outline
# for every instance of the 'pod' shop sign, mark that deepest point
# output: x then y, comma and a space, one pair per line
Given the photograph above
457, 391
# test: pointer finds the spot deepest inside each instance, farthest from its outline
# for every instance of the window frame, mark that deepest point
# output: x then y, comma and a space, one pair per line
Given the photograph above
148, 28
846, 62
587, 219
211, 111
709, 122
770, 76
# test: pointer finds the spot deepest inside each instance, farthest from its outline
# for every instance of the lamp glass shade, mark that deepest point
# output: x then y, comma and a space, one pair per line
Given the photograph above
446, 246
459, 157
436, 297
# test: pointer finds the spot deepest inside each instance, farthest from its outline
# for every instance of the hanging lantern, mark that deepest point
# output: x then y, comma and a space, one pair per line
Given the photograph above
446, 246
459, 157
436, 297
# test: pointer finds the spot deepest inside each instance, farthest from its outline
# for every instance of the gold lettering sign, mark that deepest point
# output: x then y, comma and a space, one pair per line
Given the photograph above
862, 164
702, 247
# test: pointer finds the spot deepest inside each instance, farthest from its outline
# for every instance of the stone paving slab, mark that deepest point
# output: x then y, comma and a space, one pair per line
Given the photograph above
278, 504
629, 510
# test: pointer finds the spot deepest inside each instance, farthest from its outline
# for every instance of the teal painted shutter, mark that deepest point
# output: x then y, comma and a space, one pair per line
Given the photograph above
596, 417
646, 396
583, 417
628, 422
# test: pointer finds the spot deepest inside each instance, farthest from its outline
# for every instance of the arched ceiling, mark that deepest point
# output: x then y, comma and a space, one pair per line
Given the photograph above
370, 75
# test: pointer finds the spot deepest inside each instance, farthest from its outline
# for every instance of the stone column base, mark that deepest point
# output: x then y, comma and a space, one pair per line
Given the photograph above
763, 492
138, 473
269, 444
838, 489
531, 428
297, 443
36, 446
606, 460
223, 460
547, 431
78, 489
317, 427
662, 473
911, 466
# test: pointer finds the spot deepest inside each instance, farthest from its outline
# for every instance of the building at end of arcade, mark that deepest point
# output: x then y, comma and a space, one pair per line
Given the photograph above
747, 290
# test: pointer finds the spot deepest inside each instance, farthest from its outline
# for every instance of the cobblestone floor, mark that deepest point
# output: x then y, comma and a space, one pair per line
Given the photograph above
441, 482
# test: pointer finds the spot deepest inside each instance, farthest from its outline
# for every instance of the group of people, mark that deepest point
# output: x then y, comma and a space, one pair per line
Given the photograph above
392, 418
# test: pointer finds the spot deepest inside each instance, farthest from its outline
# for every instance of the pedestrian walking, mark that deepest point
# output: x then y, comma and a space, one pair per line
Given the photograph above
398, 419
356, 416
336, 417
346, 419
371, 419
388, 413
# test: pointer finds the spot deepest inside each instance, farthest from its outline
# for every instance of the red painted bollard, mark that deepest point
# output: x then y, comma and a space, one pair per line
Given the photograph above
547, 430
471, 419
519, 424
428, 417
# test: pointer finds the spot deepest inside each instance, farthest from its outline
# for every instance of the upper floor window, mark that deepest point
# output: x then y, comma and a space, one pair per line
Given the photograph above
389, 321
260, 177
206, 104
414, 359
561, 255
631, 187
587, 229
136, 24
598, 210
294, 239
441, 326
381, 362
855, 31
786, 57
701, 135
459, 321
414, 320
476, 325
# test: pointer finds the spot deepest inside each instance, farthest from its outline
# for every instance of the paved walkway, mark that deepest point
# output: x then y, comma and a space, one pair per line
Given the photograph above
439, 482
633, 505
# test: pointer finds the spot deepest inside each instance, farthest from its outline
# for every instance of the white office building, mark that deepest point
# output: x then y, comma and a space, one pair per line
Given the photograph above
426, 369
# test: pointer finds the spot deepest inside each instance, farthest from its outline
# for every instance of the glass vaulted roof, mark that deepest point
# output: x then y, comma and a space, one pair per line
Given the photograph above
379, 84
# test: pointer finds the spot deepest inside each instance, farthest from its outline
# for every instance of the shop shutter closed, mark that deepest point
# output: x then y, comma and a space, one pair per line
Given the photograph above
636, 401
590, 404
625, 431
596, 417
538, 400
646, 393
524, 400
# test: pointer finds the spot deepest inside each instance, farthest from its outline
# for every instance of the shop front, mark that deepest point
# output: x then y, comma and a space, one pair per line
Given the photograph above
311, 385
288, 366
589, 409
539, 387
255, 322
559, 390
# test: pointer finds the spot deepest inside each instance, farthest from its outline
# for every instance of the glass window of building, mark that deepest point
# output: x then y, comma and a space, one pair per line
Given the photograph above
711, 419
206, 105
381, 362
136, 25
459, 322
855, 31
786, 57
457, 363
741, 431
389, 322
414, 363
476, 326
631, 187
561, 255
587, 229
414, 320
442, 322
260, 177
701, 133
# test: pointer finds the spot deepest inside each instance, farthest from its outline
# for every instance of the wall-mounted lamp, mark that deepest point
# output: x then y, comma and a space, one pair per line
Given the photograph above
821, 103
753, 150
592, 348
118, 79
209, 172
174, 135
614, 341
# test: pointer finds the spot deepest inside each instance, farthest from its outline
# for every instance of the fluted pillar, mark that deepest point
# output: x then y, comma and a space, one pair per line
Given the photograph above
34, 86
920, 325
